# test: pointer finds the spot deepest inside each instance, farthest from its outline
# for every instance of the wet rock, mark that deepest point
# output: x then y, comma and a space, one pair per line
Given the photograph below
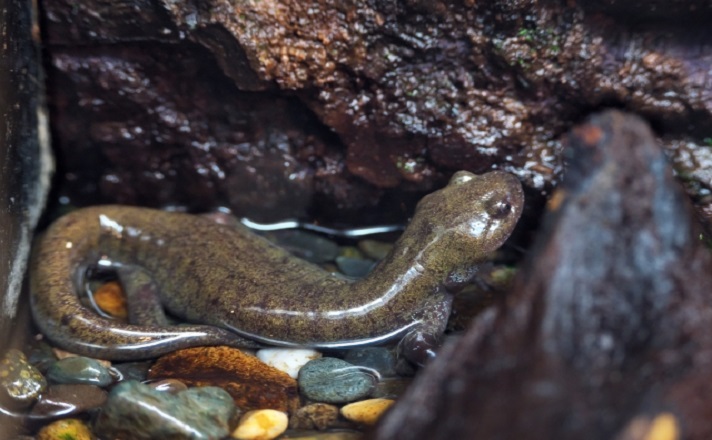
170, 386
333, 380
354, 267
110, 299
132, 370
262, 424
289, 360
68, 400
67, 429
138, 412
20, 382
379, 359
315, 416
375, 249
606, 331
41, 355
306, 245
252, 383
79, 370
366, 412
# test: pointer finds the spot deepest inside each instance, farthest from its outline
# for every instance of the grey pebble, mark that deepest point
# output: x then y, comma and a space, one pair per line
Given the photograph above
79, 369
138, 412
334, 380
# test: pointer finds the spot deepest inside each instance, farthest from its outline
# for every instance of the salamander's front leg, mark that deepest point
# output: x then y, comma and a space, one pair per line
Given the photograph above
422, 341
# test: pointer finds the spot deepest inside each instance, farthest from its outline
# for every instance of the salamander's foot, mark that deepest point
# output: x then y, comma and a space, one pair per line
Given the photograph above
419, 346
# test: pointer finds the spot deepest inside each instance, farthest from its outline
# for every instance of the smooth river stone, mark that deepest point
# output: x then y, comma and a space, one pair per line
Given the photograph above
334, 380
68, 400
135, 411
20, 382
79, 370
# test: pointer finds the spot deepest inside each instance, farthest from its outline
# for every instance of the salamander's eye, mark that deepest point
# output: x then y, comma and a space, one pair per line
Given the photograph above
498, 208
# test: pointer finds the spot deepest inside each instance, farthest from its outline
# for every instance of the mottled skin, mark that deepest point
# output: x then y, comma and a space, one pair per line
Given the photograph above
247, 290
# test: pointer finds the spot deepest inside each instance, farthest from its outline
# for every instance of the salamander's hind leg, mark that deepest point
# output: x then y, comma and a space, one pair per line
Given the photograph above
422, 341
144, 305
145, 308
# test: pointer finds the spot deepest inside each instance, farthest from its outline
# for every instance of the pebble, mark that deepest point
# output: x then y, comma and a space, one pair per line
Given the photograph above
334, 380
306, 245
66, 429
262, 424
315, 416
366, 412
79, 369
289, 360
171, 386
110, 298
68, 400
354, 267
133, 370
375, 249
251, 383
379, 359
41, 355
135, 411
21, 382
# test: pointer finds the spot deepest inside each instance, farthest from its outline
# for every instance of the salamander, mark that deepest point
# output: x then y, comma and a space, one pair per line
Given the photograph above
238, 289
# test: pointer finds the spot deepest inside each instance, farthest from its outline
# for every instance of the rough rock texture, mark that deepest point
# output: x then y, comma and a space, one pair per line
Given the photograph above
314, 107
606, 333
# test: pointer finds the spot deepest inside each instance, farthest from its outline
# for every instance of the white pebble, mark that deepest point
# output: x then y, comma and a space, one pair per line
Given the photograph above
261, 424
289, 360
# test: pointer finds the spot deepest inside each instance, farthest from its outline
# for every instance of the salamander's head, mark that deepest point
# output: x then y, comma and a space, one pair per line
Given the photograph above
467, 220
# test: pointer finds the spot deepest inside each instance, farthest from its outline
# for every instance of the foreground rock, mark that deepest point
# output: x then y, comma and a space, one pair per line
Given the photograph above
136, 412
606, 334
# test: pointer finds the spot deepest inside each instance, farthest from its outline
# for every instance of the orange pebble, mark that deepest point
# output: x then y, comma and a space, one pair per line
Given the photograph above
110, 298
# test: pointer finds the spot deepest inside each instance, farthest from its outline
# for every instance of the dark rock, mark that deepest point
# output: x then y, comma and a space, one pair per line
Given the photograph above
215, 103
606, 333
68, 400
132, 370
135, 412
79, 370
333, 380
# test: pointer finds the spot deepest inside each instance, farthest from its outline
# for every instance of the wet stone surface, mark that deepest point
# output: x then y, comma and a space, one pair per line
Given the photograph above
79, 370
139, 412
251, 383
334, 380
20, 382
68, 400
